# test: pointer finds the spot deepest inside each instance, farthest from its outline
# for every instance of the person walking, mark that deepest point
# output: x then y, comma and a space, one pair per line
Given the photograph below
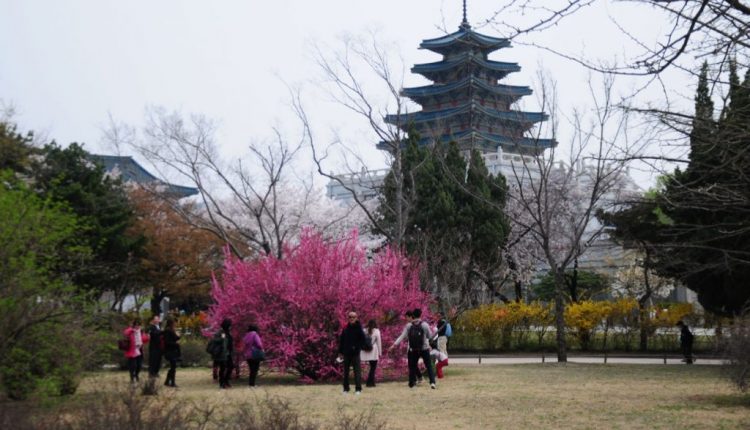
350, 345
409, 317
686, 342
373, 355
223, 354
442, 335
154, 347
418, 334
171, 352
253, 351
134, 353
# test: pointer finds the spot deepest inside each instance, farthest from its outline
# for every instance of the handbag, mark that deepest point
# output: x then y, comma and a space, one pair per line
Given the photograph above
258, 354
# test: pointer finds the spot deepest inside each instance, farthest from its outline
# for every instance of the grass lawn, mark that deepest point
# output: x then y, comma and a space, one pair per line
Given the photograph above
532, 396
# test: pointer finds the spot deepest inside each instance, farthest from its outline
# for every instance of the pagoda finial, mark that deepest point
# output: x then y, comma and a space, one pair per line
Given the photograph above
465, 22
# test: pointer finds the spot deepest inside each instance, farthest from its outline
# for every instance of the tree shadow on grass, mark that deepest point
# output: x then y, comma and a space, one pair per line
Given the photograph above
721, 400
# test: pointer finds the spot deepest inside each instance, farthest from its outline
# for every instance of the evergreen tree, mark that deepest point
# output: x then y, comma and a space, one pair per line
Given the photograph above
704, 126
69, 176
698, 224
15, 148
455, 223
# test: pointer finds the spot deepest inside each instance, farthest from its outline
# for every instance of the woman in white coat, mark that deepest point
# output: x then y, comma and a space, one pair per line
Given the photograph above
372, 356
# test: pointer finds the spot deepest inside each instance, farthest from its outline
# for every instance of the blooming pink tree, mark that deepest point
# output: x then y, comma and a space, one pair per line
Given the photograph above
300, 302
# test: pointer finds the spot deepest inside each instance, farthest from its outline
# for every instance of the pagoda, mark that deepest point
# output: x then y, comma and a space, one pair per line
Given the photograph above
466, 103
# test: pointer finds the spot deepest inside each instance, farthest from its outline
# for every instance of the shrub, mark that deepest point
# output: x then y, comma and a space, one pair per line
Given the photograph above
584, 317
300, 302
194, 352
125, 409
737, 353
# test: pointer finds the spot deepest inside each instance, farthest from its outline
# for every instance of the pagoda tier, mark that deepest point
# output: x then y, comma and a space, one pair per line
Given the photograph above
465, 87
475, 112
465, 103
463, 64
488, 142
462, 40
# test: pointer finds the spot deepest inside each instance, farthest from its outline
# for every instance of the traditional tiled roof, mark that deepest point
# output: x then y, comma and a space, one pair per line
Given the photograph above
465, 99
467, 107
496, 69
488, 142
436, 90
465, 36
128, 170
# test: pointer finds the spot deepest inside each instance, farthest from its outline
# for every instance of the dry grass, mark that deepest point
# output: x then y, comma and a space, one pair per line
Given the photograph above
573, 396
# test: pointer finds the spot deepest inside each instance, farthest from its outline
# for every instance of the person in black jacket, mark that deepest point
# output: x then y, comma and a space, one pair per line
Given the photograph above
171, 352
350, 344
225, 353
154, 347
686, 342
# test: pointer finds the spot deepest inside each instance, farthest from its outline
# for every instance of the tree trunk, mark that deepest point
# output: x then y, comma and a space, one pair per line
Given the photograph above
645, 327
562, 352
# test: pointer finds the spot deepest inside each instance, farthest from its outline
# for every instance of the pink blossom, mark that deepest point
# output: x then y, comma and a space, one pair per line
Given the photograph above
300, 302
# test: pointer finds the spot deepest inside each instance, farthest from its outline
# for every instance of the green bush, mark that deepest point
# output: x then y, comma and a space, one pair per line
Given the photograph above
194, 352
15, 372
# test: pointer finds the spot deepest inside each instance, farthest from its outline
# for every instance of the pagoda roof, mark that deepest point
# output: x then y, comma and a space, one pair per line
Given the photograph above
128, 170
461, 60
440, 89
490, 142
465, 36
469, 106
497, 139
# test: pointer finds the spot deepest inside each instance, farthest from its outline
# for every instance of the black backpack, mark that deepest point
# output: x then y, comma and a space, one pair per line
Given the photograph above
367, 343
214, 347
416, 336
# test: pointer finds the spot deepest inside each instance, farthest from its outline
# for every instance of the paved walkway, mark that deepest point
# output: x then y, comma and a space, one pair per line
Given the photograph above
593, 359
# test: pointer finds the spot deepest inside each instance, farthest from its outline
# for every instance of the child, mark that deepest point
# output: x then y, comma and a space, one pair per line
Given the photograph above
441, 360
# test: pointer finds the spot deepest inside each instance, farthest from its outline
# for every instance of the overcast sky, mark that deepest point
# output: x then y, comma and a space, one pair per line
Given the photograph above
66, 65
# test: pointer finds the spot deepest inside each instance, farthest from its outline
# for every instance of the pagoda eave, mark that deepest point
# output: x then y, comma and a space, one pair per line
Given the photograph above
468, 82
528, 118
459, 39
445, 66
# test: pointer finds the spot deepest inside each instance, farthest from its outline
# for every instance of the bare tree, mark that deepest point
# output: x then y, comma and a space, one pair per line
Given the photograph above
251, 203
344, 73
560, 191
715, 29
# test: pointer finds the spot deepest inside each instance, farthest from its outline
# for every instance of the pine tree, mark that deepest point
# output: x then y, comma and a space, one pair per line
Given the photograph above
455, 223
704, 126
697, 226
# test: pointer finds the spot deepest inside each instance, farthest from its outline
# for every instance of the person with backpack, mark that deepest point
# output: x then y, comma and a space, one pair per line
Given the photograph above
686, 342
252, 348
134, 351
444, 330
418, 334
172, 352
221, 348
371, 351
409, 316
154, 347
351, 340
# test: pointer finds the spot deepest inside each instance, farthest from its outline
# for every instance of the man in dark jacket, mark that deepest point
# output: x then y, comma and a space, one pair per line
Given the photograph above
686, 342
225, 353
154, 347
350, 344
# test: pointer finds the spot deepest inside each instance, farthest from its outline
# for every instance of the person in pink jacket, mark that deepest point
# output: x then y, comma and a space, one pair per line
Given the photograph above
252, 347
134, 354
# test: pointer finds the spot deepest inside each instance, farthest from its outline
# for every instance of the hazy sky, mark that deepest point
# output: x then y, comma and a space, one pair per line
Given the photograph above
66, 65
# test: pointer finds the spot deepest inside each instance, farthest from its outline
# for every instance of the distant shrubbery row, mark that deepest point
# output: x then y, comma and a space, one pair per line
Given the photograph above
600, 325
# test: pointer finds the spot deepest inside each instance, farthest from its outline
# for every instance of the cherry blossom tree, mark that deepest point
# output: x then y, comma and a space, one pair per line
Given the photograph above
300, 302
